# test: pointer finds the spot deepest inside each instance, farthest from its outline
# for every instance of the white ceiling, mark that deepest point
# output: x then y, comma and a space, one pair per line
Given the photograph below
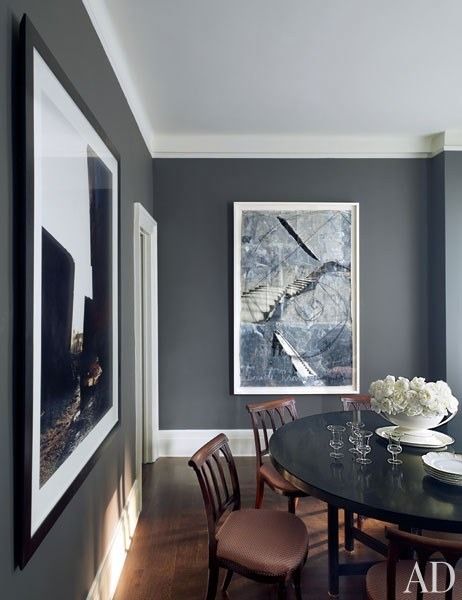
293, 76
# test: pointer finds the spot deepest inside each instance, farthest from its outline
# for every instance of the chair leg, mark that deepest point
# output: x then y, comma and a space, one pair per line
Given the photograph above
212, 583
298, 583
292, 502
227, 581
260, 492
282, 591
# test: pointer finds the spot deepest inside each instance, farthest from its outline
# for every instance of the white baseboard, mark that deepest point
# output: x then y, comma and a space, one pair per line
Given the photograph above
171, 443
107, 577
184, 442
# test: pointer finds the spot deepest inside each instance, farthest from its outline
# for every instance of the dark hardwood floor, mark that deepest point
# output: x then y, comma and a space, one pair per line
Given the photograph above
168, 556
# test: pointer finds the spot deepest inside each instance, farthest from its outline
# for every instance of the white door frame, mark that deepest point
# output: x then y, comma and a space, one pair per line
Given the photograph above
147, 414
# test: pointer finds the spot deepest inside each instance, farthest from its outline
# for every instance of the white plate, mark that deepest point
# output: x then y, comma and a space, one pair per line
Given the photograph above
454, 478
444, 463
441, 475
436, 439
443, 479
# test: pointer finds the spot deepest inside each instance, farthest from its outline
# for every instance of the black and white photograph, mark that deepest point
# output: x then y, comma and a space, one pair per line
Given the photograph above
77, 363
295, 298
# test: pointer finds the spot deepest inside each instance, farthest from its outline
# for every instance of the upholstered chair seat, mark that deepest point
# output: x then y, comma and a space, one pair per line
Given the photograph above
262, 541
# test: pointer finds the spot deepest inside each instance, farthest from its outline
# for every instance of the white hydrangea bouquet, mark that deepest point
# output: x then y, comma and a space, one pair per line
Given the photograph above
415, 404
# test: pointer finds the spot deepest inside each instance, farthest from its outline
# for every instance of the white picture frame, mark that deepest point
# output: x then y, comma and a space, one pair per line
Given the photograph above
256, 306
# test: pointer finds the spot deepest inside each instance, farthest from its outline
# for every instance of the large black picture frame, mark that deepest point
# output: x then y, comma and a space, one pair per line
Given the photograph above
27, 539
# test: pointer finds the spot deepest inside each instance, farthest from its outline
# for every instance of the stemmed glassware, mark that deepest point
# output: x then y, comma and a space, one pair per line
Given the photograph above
336, 443
353, 437
395, 448
363, 447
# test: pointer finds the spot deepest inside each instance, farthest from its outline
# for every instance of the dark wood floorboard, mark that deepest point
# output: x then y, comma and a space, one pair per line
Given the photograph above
168, 556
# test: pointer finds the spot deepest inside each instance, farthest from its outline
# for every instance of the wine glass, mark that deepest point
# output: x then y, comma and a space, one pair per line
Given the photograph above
395, 448
336, 428
363, 447
336, 443
353, 438
363, 451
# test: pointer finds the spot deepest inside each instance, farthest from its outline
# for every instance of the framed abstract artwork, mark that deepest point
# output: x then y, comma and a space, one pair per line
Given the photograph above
296, 294
69, 363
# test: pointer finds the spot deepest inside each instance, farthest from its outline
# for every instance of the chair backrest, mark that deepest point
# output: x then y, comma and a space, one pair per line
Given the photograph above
216, 471
357, 402
267, 416
400, 542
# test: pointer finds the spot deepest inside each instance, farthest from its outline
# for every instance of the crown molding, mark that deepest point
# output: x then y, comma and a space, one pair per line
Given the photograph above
446, 141
103, 25
451, 141
295, 146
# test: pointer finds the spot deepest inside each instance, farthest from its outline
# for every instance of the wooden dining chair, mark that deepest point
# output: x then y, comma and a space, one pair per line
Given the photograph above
269, 546
267, 417
388, 580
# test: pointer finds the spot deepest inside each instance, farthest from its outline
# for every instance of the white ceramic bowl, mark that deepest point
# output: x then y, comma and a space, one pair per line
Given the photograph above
417, 426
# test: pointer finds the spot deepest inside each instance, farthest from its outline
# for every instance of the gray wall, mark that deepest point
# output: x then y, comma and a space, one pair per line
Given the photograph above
453, 260
436, 269
445, 257
65, 564
193, 201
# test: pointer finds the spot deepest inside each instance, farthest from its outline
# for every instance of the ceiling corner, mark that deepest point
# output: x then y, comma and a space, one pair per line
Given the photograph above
452, 140
102, 23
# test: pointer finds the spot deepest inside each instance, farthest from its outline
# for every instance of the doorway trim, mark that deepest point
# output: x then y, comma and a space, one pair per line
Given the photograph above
147, 399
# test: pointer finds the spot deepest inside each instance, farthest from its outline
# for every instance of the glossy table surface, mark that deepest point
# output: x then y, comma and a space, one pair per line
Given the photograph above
401, 494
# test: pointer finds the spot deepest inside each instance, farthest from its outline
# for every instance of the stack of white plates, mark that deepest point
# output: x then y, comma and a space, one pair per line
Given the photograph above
444, 466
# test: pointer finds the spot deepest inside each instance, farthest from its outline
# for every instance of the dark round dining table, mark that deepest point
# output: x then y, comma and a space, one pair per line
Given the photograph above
401, 494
